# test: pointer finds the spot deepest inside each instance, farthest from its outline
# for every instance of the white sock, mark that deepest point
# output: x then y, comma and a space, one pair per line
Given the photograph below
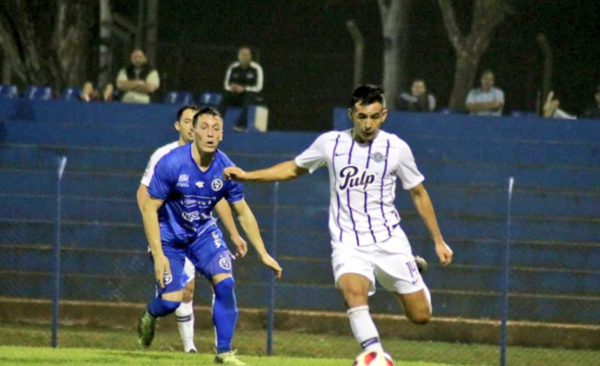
364, 329
185, 323
212, 311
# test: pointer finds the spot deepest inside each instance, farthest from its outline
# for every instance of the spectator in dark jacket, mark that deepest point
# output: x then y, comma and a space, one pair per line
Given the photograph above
418, 100
243, 84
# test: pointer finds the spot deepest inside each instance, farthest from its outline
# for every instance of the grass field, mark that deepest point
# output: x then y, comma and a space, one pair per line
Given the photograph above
100, 346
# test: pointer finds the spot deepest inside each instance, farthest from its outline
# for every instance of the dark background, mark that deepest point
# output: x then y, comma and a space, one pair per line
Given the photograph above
307, 53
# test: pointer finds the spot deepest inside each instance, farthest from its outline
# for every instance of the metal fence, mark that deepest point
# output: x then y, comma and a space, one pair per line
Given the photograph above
540, 272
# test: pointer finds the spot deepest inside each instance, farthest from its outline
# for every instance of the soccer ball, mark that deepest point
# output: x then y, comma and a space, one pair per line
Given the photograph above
373, 358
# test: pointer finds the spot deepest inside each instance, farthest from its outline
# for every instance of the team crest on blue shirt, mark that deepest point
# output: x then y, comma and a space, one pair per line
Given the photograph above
378, 157
216, 185
225, 263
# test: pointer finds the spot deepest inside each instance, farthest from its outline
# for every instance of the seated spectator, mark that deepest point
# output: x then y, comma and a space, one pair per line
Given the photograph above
89, 94
243, 83
486, 100
138, 80
418, 100
593, 112
551, 109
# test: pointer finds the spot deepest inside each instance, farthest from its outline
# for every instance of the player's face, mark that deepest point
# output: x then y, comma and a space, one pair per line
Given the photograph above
185, 126
208, 133
367, 121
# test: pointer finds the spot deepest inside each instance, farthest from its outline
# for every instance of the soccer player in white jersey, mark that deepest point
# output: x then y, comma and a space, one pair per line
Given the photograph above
367, 241
184, 313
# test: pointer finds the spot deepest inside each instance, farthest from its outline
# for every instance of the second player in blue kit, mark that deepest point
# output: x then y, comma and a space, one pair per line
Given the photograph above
178, 221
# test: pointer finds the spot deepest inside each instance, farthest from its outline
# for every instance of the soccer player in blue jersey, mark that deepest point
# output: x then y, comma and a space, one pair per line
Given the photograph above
185, 312
186, 186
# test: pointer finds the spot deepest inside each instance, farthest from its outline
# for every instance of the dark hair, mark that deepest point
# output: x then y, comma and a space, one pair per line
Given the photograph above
367, 94
185, 108
206, 110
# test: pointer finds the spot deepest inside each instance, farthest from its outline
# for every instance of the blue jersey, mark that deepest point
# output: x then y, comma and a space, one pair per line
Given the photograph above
190, 194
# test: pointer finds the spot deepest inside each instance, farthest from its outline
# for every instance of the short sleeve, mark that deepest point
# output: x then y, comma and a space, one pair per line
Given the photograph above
162, 181
314, 157
500, 96
149, 172
406, 168
471, 97
122, 75
235, 193
153, 78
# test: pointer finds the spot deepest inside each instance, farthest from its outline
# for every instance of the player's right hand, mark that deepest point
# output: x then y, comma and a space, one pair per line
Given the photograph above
272, 263
235, 173
162, 269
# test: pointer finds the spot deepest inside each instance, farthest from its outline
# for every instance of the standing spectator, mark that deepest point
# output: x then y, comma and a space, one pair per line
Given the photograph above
487, 100
138, 80
418, 100
243, 83
593, 112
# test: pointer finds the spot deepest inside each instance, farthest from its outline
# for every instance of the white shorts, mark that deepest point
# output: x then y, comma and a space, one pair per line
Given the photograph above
390, 262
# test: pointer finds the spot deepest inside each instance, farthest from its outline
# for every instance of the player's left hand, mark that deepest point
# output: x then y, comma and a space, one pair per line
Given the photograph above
241, 247
271, 263
444, 252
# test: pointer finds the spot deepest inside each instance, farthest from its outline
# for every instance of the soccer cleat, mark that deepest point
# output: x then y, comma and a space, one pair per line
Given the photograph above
421, 264
146, 328
229, 358
191, 350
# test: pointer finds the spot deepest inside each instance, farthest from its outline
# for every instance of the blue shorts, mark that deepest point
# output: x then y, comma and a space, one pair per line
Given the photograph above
208, 253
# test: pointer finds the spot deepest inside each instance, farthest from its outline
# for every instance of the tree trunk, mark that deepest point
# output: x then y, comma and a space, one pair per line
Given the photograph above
394, 19
46, 48
359, 52
464, 77
487, 16
151, 30
106, 51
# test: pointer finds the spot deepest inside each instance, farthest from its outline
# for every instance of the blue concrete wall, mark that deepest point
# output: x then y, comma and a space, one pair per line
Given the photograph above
466, 161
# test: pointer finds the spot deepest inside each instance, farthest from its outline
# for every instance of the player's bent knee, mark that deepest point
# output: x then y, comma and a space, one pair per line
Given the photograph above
420, 318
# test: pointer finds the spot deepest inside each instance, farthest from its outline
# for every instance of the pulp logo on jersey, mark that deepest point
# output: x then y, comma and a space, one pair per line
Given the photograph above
200, 184
183, 181
216, 185
350, 178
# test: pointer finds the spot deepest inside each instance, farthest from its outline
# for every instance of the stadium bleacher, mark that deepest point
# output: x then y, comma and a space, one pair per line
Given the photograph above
466, 160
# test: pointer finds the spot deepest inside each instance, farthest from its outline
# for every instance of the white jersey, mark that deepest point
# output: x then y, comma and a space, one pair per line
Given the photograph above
156, 156
362, 180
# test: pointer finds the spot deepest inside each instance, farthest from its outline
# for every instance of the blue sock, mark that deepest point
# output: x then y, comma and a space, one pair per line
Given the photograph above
225, 314
159, 307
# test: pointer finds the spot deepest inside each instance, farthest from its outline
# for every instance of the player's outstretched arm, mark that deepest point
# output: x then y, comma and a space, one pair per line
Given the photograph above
250, 226
150, 215
224, 212
424, 206
280, 172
